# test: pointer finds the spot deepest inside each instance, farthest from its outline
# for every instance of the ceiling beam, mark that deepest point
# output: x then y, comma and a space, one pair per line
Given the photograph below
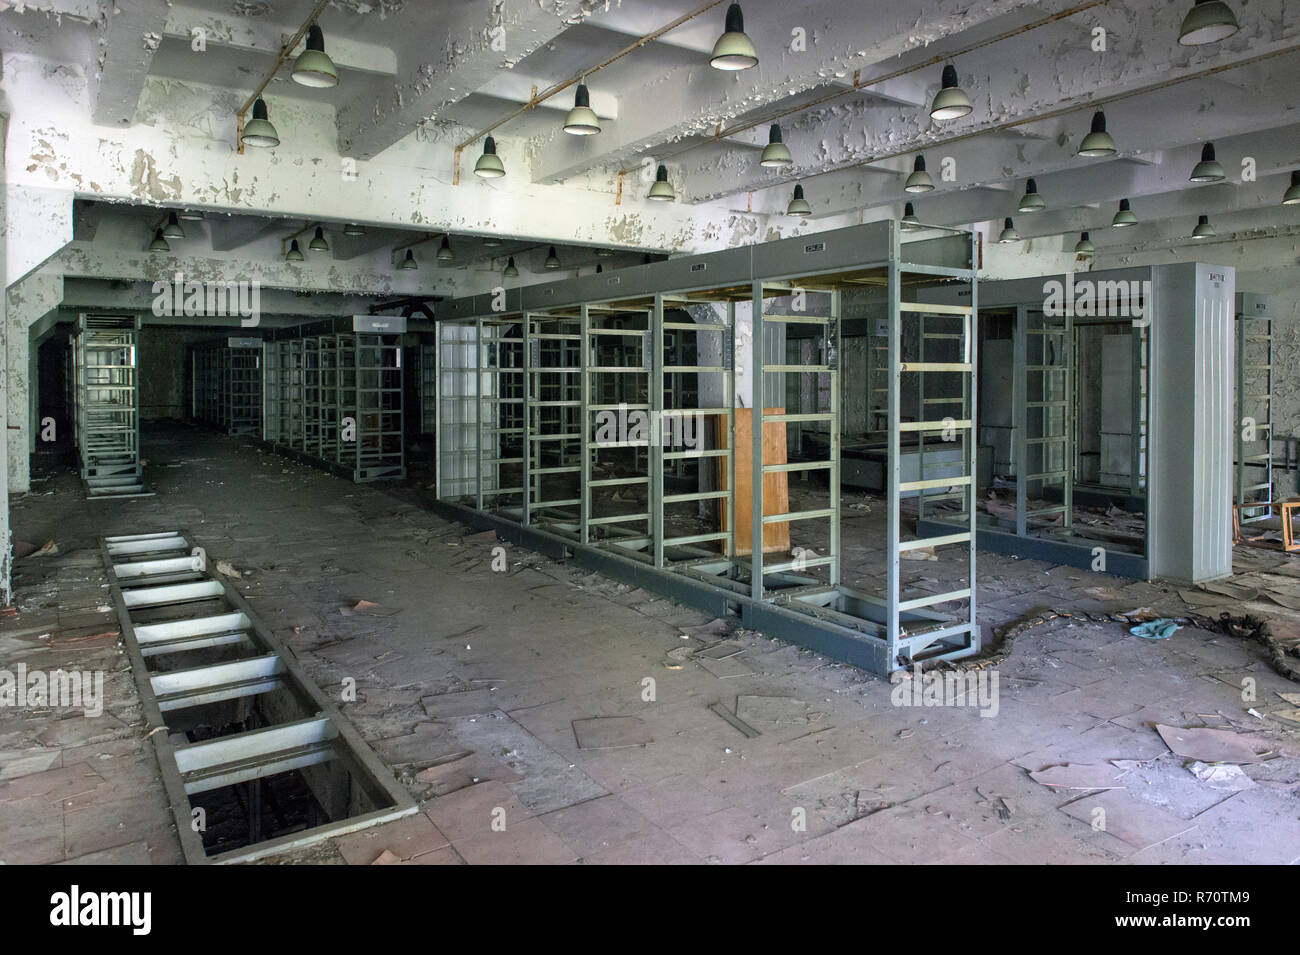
128, 37
690, 100
266, 37
1009, 93
475, 42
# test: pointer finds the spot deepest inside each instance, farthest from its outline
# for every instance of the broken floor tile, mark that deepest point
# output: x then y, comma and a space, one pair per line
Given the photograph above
611, 732
1210, 745
1127, 818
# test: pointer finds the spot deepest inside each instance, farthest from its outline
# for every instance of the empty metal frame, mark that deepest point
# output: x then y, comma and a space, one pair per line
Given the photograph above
1078, 352
226, 385
597, 419
332, 394
106, 405
1253, 458
1044, 421
238, 715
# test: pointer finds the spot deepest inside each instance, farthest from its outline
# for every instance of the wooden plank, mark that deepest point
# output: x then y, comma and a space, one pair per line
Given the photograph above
776, 485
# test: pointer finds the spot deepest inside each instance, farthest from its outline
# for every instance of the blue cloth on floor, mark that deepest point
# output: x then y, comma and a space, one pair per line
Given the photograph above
1161, 629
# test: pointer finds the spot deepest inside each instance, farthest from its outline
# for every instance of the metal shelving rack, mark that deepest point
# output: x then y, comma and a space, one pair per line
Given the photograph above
274, 355
1253, 464
338, 396
656, 510
428, 389
1045, 418
378, 450
552, 411
226, 385
106, 408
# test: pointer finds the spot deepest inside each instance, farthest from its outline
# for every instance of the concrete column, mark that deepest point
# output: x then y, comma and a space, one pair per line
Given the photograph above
6, 537
1191, 376
26, 303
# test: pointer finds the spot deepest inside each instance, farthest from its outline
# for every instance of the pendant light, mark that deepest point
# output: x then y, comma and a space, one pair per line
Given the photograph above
599, 268
1292, 195
313, 67
662, 190
776, 153
1031, 201
409, 262
294, 254
909, 221
1203, 229
552, 260
1009, 233
798, 205
1098, 143
919, 180
318, 243
444, 251
950, 102
258, 131
581, 121
1208, 169
159, 244
1209, 21
734, 50
1084, 246
353, 229
173, 230
510, 270
489, 165
1124, 216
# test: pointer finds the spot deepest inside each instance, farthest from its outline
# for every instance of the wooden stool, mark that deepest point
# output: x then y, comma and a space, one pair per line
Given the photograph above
1289, 509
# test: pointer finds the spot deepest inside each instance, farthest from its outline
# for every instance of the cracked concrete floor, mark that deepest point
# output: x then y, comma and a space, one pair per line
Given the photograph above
469, 682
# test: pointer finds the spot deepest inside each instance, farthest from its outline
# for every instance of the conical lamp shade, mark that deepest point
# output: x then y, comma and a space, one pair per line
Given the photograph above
258, 131
919, 180
1098, 143
798, 205
582, 121
1124, 216
1209, 21
313, 67
950, 102
489, 165
734, 50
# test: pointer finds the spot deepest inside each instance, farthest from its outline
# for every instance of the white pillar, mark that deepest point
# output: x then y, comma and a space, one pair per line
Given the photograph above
1191, 375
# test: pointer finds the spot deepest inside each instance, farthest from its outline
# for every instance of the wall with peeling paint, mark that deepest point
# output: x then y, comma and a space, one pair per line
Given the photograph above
25, 304
182, 152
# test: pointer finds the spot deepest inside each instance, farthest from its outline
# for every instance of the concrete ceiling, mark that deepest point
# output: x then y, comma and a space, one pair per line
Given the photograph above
853, 100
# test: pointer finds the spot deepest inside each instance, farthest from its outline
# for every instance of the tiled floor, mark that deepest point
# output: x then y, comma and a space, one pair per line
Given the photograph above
499, 665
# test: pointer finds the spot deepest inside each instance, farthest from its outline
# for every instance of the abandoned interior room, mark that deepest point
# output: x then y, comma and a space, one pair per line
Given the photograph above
650, 431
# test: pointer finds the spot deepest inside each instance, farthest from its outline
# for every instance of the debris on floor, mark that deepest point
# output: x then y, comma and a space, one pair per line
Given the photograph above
368, 608
1078, 776
611, 732
1161, 629
748, 731
24, 549
1127, 818
775, 709
1209, 745
1225, 776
